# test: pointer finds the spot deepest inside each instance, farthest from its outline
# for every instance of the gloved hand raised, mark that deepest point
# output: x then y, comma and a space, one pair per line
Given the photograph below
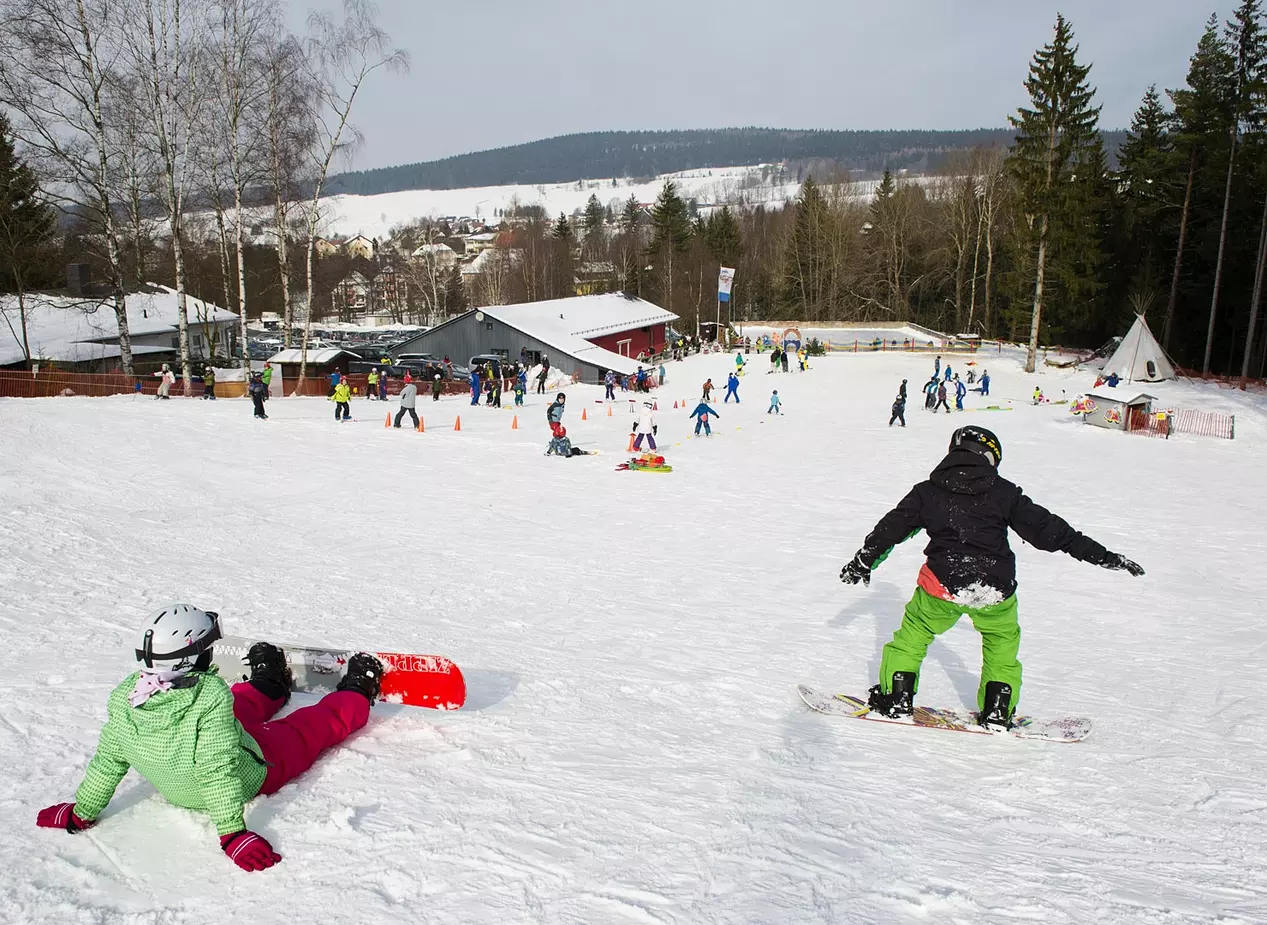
249, 851
61, 816
1119, 563
856, 571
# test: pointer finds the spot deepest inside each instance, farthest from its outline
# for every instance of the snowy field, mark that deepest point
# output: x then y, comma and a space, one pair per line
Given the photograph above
632, 750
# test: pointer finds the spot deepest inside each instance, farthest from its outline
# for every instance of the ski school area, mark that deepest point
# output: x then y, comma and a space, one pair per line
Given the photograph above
631, 747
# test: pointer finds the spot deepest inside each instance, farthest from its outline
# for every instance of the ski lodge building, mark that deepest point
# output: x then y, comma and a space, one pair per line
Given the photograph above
585, 335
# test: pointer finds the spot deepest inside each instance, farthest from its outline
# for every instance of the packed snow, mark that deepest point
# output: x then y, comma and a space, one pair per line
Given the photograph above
632, 749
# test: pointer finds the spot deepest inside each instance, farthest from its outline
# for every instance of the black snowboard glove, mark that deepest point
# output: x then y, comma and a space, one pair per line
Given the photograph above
1119, 563
856, 571
655, 429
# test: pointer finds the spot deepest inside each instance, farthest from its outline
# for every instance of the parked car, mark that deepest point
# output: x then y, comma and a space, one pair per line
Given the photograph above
453, 371
502, 367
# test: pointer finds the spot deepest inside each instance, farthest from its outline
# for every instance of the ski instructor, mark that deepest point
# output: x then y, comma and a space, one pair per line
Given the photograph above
966, 507
207, 747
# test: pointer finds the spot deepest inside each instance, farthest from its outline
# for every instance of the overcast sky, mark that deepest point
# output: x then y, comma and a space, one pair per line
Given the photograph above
488, 73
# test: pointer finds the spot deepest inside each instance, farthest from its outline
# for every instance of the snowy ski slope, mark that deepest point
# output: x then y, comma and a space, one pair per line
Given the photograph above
632, 750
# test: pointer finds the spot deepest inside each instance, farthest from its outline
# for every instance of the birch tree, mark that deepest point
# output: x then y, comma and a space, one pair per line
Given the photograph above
167, 53
56, 63
341, 57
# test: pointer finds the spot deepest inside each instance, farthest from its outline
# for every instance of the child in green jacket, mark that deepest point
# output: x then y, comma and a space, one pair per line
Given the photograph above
207, 747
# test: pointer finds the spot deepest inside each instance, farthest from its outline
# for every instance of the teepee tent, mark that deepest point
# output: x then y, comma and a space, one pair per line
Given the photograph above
1139, 358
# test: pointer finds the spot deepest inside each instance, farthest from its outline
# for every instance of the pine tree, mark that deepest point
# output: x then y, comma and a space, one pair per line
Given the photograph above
1146, 167
593, 232
1053, 161
27, 225
630, 215
455, 292
562, 230
1245, 40
1203, 116
670, 238
721, 231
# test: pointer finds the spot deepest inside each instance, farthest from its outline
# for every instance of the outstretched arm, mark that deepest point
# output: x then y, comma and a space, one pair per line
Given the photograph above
1046, 531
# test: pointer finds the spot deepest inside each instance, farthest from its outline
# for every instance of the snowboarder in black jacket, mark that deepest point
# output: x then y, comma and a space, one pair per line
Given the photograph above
967, 508
899, 411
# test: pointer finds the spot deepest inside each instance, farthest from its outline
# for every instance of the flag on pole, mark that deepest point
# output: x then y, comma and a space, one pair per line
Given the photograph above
725, 279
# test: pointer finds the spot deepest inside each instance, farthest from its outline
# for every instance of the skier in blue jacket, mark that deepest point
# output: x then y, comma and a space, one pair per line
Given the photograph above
701, 413
960, 391
732, 388
475, 387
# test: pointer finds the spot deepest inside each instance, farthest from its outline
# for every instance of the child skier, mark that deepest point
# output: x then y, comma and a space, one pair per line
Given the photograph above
960, 391
899, 410
371, 385
609, 381
985, 382
408, 403
1039, 397
257, 390
209, 383
206, 746
645, 426
701, 413
941, 398
342, 398
560, 445
165, 380
732, 388
437, 385
708, 391
774, 403
520, 389
967, 508
930, 394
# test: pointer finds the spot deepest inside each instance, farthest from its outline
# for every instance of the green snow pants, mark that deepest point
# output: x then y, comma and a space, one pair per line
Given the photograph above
927, 616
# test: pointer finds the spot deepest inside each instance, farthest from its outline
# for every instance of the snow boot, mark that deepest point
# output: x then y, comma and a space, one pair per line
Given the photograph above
899, 703
364, 675
270, 671
997, 706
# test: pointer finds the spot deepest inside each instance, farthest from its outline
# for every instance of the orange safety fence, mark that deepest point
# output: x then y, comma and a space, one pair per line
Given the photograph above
1182, 421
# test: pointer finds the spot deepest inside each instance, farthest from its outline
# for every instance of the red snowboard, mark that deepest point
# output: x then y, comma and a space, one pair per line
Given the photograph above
414, 680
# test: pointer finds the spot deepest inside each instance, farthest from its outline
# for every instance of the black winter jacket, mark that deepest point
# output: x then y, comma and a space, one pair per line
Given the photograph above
967, 508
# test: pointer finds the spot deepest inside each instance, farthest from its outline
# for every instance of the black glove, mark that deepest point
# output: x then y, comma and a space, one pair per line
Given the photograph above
1119, 563
655, 429
856, 571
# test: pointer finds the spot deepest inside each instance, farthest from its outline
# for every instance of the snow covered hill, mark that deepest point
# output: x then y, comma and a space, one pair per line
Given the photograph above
632, 750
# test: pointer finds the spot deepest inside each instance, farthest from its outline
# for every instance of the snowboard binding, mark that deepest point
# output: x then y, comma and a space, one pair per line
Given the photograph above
364, 675
270, 671
997, 710
899, 703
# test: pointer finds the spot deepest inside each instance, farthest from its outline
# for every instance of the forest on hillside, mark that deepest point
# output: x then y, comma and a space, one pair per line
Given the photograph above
643, 155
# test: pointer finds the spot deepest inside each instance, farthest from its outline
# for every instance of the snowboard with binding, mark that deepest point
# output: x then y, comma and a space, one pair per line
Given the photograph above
1064, 729
414, 680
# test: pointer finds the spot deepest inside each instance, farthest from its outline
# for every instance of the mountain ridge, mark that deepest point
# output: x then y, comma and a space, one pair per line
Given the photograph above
646, 154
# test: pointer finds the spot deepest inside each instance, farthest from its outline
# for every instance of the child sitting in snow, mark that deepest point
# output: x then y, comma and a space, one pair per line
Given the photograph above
206, 746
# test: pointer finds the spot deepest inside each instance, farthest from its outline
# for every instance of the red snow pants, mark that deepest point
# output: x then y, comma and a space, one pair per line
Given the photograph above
291, 744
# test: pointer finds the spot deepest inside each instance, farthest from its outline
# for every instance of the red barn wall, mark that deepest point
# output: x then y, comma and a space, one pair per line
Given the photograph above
640, 339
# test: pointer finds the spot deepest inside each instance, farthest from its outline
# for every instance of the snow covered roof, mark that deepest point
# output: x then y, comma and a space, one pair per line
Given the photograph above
74, 330
565, 324
439, 250
318, 356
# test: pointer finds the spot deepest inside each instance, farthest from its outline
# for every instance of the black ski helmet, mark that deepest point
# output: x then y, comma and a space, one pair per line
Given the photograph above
979, 440
560, 397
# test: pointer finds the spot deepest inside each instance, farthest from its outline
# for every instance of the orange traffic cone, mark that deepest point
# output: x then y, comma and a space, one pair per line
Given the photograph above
675, 406
609, 410
631, 440
514, 422
655, 406
422, 426
583, 417
388, 422
457, 425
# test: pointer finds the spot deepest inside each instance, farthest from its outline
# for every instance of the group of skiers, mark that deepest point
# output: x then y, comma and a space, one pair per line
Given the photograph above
939, 387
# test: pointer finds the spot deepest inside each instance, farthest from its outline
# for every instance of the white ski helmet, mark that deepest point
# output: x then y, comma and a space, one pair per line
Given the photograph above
175, 635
